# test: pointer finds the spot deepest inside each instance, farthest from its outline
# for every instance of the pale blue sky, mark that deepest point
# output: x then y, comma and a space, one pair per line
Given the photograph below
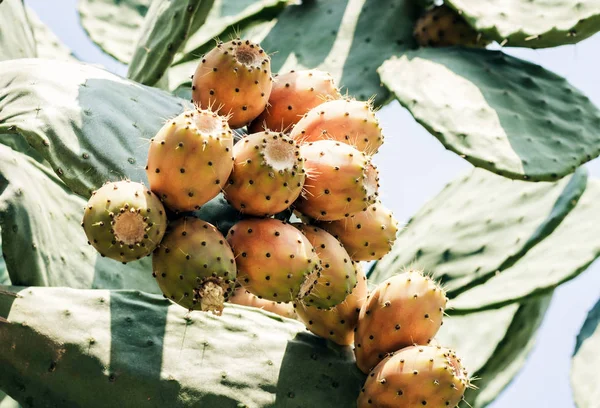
414, 167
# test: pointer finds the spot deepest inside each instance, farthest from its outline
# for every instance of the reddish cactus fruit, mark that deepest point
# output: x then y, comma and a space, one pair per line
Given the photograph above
268, 174
194, 265
293, 95
242, 297
124, 221
344, 120
416, 376
340, 181
336, 324
190, 159
275, 261
234, 79
338, 275
403, 310
368, 235
441, 26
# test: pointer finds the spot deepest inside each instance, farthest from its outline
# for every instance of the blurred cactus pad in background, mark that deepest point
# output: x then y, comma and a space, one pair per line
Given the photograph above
215, 227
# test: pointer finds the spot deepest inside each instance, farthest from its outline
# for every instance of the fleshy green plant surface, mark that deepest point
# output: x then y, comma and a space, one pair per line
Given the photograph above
532, 24
16, 35
498, 112
48, 45
506, 218
114, 25
166, 27
71, 104
584, 370
43, 243
567, 252
143, 351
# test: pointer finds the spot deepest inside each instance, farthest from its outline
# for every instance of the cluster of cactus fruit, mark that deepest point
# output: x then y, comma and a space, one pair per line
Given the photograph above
307, 155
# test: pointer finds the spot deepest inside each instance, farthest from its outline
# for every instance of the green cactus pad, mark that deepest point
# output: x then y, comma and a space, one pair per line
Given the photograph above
42, 239
166, 27
4, 278
139, 349
92, 126
498, 112
586, 359
479, 224
340, 37
114, 25
494, 344
563, 255
7, 402
532, 24
16, 34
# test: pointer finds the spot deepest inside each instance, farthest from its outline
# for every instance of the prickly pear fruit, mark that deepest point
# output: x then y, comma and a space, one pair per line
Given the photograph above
190, 159
338, 275
234, 79
403, 310
268, 174
368, 235
124, 221
294, 94
443, 27
416, 376
341, 181
194, 265
242, 297
345, 120
275, 261
336, 324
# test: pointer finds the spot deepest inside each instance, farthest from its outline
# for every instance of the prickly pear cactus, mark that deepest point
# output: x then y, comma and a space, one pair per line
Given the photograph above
259, 155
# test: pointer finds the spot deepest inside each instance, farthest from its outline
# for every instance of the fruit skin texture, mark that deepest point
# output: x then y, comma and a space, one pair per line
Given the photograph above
338, 275
234, 79
268, 174
190, 159
345, 120
443, 27
416, 376
336, 324
194, 265
367, 235
242, 297
340, 181
275, 261
294, 94
124, 221
403, 310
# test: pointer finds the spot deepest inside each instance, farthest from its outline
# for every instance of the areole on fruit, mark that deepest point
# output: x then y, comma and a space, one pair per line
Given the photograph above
268, 174
190, 159
124, 220
234, 79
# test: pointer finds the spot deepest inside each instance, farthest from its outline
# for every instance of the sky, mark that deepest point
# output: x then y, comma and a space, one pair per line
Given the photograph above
414, 167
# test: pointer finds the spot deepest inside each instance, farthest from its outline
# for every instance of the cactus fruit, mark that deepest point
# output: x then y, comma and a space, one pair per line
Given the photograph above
338, 275
341, 181
368, 235
268, 174
234, 79
124, 221
190, 159
416, 376
336, 324
242, 297
345, 120
443, 27
194, 265
293, 95
275, 261
403, 310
